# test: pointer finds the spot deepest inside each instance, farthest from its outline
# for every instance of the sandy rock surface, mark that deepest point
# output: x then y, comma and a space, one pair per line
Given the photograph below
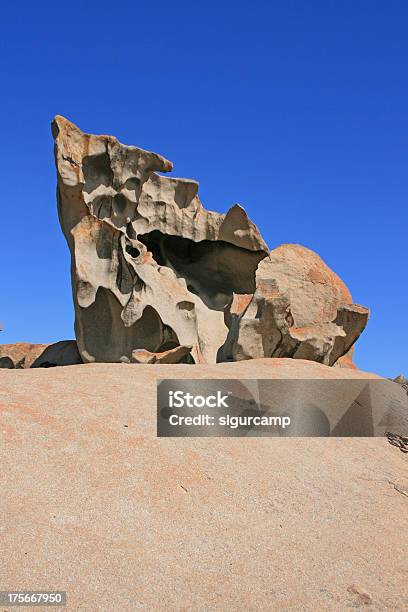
95, 504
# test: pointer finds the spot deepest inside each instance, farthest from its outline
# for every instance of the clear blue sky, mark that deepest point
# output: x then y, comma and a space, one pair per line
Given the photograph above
298, 110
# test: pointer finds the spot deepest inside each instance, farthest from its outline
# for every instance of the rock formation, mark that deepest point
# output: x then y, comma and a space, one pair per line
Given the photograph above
158, 278
300, 309
23, 355
401, 380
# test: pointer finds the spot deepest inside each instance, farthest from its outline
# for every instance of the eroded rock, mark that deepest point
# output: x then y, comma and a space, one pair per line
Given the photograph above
175, 355
151, 268
300, 309
13, 355
23, 355
153, 271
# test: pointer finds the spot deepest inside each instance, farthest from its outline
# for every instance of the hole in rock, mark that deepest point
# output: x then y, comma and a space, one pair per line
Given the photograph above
97, 171
130, 232
108, 339
119, 204
133, 251
102, 206
184, 305
213, 270
167, 346
133, 184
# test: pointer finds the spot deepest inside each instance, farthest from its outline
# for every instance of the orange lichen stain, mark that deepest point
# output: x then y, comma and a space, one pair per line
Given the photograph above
7, 432
135, 441
239, 302
147, 258
11, 407
88, 228
322, 274
29, 414
317, 274
346, 361
268, 288
301, 332
192, 455
167, 477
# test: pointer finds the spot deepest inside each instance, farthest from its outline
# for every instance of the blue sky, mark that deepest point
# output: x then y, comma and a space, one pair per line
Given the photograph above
297, 110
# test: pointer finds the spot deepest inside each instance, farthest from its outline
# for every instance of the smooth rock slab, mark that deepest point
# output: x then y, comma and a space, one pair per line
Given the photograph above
300, 309
95, 504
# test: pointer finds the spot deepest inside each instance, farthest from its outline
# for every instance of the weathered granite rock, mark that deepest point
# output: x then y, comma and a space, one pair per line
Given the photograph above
300, 309
151, 268
91, 497
401, 380
346, 361
153, 271
13, 355
6, 362
179, 354
63, 353
25, 355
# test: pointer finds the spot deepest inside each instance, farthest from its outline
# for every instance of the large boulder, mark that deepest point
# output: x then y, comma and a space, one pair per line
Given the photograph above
300, 309
153, 271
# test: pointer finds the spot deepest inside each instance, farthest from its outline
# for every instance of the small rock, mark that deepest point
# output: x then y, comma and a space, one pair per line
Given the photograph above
362, 595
